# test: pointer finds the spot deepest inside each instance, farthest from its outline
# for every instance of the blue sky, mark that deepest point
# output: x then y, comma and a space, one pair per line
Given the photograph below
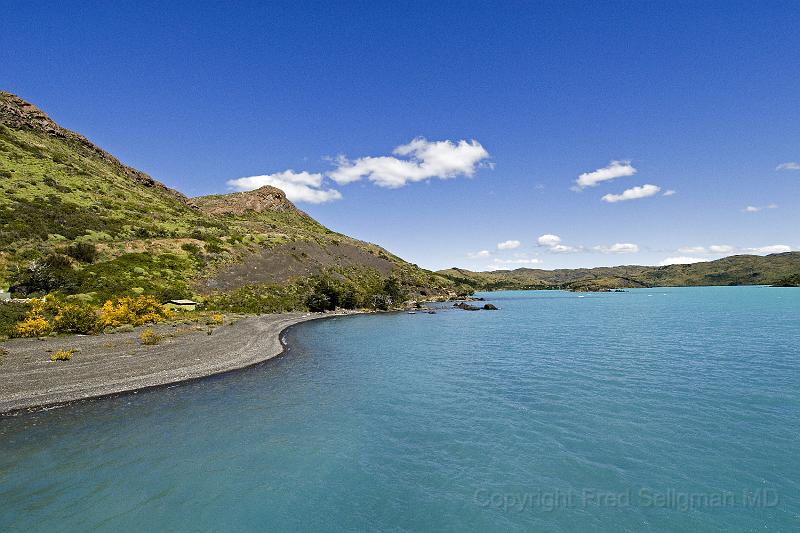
699, 98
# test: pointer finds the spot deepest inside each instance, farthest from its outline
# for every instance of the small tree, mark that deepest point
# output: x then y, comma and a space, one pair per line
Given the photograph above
394, 291
381, 302
53, 273
318, 302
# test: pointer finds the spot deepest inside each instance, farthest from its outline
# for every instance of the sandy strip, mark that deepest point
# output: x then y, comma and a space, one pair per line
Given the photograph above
116, 363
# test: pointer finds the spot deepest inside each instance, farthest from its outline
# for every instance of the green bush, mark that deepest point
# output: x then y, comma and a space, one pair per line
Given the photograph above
82, 251
191, 248
51, 274
260, 299
318, 302
10, 314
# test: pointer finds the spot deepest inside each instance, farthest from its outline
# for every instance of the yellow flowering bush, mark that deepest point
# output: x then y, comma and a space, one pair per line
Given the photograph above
136, 311
33, 326
73, 318
35, 323
62, 355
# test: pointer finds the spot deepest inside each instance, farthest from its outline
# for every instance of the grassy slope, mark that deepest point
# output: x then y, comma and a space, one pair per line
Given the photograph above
734, 270
57, 189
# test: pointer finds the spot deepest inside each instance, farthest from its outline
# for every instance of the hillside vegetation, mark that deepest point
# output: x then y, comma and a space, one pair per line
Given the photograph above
783, 269
76, 221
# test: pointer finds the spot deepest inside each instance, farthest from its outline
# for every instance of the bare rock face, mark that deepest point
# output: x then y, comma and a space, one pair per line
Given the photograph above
16, 113
267, 198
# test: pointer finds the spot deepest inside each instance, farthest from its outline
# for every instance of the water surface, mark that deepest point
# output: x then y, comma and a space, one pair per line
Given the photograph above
650, 410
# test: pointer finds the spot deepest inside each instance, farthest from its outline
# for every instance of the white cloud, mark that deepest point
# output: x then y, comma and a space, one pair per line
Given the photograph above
720, 249
670, 192
693, 250
727, 249
423, 160
508, 245
791, 165
633, 193
756, 209
618, 248
615, 169
563, 249
549, 240
517, 261
298, 186
482, 253
681, 260
772, 249
553, 244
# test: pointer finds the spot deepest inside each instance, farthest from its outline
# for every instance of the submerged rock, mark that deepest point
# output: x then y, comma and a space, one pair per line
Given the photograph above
466, 307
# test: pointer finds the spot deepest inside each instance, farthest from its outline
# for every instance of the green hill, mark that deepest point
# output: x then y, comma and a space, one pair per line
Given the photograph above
75, 220
734, 270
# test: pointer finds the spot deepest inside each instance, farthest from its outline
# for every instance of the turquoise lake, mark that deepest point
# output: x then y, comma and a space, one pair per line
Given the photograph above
651, 410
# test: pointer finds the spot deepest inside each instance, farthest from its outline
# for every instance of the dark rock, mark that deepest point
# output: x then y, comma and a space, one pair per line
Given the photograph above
490, 307
466, 307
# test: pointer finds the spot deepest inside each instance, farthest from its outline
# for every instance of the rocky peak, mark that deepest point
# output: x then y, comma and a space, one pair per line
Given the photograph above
266, 198
18, 114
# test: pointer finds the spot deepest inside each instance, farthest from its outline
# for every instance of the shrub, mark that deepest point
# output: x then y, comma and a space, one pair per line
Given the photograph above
191, 248
62, 355
177, 292
381, 302
10, 314
149, 337
259, 299
394, 291
216, 319
33, 326
136, 311
82, 251
53, 273
214, 247
73, 318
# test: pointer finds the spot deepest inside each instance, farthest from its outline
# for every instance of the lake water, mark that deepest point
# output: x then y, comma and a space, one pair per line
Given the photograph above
650, 410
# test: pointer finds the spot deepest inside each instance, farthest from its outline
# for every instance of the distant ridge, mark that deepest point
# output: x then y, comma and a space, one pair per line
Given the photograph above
733, 270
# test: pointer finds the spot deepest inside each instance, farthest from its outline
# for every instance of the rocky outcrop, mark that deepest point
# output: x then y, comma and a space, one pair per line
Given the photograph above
267, 198
490, 307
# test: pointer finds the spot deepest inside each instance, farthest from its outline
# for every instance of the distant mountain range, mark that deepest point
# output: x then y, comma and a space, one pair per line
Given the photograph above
75, 220
776, 269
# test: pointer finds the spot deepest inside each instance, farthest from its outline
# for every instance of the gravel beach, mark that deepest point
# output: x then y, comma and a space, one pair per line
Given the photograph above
114, 363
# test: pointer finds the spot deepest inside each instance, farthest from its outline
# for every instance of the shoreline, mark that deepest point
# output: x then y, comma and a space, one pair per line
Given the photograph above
115, 364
